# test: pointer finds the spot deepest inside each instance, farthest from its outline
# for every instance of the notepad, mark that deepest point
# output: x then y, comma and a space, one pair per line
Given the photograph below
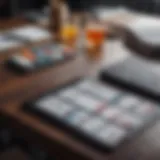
31, 33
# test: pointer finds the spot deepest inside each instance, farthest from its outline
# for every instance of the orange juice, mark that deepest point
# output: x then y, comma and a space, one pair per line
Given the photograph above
69, 34
95, 36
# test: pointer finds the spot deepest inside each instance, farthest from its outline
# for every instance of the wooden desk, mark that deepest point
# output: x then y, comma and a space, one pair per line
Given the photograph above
14, 153
15, 89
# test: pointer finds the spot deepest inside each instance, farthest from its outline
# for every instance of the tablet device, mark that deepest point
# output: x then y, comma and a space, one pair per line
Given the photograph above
99, 115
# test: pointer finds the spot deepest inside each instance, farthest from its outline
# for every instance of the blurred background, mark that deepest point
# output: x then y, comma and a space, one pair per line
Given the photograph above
9, 8
15, 8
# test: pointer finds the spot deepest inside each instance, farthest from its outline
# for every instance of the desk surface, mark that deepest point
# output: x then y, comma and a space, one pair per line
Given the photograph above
16, 89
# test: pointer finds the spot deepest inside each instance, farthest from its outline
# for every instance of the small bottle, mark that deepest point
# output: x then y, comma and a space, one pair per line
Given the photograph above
59, 15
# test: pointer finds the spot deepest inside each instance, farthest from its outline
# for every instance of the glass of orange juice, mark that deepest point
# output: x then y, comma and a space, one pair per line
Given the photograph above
69, 34
95, 37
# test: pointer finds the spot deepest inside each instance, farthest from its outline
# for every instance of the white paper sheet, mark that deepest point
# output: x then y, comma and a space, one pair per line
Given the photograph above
31, 33
8, 43
147, 28
110, 12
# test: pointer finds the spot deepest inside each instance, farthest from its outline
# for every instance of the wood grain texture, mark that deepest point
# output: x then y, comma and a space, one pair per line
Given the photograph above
15, 89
